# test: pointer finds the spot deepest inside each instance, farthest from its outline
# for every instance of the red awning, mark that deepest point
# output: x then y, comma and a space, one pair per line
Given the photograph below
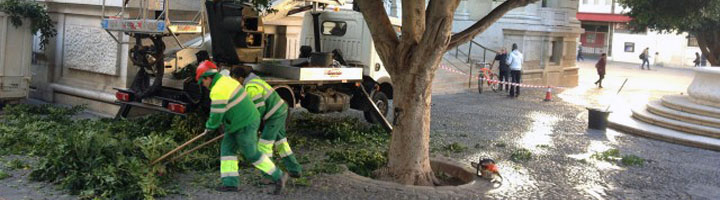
602, 17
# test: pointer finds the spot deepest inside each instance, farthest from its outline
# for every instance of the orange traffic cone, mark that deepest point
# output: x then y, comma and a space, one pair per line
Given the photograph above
548, 94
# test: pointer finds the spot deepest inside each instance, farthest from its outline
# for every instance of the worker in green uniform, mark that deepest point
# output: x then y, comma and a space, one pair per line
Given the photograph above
232, 107
274, 112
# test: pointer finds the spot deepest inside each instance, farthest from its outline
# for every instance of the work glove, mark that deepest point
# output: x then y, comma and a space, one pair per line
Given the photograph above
210, 131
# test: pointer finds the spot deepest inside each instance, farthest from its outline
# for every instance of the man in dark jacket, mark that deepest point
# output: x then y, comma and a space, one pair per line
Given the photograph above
504, 72
600, 66
697, 59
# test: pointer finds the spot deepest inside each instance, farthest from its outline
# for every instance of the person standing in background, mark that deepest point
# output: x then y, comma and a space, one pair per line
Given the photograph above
515, 60
697, 59
504, 69
579, 53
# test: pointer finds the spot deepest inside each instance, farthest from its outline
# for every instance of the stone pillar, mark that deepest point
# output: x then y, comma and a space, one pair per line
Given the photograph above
462, 11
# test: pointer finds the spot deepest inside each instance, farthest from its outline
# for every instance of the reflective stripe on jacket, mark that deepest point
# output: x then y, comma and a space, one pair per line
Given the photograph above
267, 101
230, 105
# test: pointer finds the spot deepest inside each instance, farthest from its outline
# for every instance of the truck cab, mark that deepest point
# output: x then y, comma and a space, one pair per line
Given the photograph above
347, 31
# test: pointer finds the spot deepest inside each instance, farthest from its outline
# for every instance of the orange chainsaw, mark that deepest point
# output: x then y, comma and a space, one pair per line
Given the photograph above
487, 169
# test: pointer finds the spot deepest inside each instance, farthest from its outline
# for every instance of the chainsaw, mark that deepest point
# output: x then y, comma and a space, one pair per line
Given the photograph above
487, 169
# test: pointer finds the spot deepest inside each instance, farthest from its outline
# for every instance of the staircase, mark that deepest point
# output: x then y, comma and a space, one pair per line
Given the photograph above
678, 112
684, 119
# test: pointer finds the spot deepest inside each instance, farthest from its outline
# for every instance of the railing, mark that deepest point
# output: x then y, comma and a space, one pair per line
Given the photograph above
469, 55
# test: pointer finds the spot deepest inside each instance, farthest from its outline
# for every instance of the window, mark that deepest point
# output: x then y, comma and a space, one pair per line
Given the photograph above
630, 47
270, 46
692, 41
334, 28
544, 3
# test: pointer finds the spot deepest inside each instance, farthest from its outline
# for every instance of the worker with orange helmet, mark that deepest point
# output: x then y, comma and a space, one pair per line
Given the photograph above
232, 107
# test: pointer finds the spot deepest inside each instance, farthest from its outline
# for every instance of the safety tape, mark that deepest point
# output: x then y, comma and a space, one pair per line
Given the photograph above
497, 81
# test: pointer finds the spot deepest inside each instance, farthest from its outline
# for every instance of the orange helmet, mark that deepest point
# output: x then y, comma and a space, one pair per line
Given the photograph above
206, 68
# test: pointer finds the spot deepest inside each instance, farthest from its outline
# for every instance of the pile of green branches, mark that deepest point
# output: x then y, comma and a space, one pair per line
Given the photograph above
109, 158
101, 157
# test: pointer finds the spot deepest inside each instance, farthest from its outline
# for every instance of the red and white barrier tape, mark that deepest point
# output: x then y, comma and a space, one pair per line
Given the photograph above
497, 81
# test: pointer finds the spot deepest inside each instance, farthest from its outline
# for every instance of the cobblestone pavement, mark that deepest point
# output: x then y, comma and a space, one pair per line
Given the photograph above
492, 125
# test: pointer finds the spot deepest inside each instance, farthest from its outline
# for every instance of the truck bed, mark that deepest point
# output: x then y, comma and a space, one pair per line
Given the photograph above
284, 71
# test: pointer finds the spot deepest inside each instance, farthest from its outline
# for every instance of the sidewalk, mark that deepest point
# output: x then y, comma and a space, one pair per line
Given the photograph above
642, 85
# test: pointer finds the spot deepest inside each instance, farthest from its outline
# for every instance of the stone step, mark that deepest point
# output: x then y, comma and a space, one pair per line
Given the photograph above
644, 115
623, 122
685, 104
656, 107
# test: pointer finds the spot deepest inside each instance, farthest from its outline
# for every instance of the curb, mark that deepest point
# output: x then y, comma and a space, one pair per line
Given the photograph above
476, 188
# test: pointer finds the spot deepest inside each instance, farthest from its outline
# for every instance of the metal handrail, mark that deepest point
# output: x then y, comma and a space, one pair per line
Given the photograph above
469, 57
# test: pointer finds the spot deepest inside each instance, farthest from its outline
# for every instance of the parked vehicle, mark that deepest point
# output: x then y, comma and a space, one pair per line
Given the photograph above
337, 69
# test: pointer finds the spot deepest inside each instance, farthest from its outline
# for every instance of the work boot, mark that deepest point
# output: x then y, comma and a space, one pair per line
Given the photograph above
280, 184
223, 188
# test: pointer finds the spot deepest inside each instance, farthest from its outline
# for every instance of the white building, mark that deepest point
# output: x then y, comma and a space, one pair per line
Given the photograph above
606, 31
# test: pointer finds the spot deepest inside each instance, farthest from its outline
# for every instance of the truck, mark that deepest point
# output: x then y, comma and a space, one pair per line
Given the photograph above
337, 69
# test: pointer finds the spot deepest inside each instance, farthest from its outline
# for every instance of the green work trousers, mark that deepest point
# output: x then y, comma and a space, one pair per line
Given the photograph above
273, 134
246, 140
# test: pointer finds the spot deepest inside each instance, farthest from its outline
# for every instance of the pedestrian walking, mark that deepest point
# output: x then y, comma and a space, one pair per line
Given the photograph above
645, 57
703, 60
230, 106
600, 66
697, 59
580, 53
515, 60
504, 69
274, 112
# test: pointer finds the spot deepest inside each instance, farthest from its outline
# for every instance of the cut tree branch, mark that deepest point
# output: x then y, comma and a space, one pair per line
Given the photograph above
489, 19
383, 33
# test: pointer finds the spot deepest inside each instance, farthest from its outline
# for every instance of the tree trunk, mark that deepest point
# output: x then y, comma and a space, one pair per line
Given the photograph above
409, 162
412, 61
709, 43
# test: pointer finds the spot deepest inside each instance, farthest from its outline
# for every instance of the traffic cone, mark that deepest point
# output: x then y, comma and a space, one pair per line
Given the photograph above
548, 94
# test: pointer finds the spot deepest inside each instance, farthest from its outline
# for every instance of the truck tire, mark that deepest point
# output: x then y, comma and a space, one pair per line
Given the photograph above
381, 100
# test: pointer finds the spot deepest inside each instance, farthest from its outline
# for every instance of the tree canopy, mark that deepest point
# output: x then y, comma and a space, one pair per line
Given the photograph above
673, 15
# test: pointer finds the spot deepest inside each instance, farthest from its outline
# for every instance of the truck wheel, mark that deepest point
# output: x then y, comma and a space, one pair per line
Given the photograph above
381, 101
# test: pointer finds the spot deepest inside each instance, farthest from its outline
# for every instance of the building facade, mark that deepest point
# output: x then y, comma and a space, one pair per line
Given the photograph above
606, 31
546, 32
